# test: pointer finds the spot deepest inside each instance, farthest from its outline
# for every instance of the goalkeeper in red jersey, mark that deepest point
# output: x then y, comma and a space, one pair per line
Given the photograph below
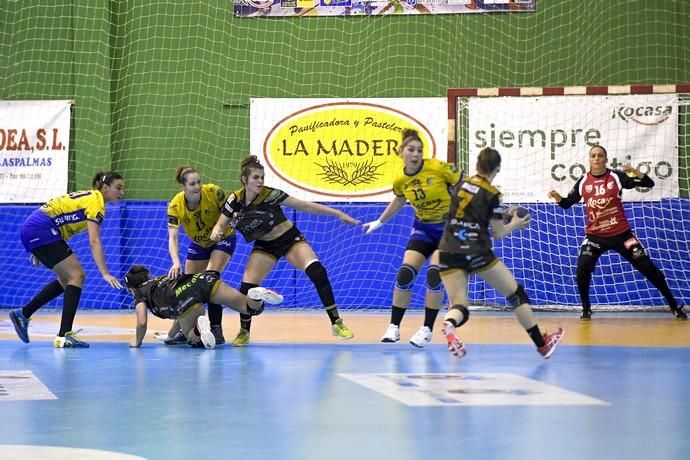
607, 227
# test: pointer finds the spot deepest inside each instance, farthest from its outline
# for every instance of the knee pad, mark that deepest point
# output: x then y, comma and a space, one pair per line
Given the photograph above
433, 279
245, 287
406, 276
518, 298
465, 313
318, 275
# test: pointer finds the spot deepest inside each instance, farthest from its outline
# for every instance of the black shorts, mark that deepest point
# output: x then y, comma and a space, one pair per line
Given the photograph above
280, 246
471, 263
52, 254
425, 248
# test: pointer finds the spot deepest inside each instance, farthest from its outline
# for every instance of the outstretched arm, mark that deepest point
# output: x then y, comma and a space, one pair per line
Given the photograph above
141, 325
572, 198
319, 209
219, 228
391, 210
97, 251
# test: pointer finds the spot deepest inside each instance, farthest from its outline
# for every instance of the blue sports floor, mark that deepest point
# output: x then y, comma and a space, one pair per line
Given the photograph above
354, 400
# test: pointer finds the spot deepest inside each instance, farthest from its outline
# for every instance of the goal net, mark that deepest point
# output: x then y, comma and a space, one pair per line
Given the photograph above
544, 136
157, 84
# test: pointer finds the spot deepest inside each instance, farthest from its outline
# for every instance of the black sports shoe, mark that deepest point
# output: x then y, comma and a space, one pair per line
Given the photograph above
217, 330
177, 339
586, 314
679, 313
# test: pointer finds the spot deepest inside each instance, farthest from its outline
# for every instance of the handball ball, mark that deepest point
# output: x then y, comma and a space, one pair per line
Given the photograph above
519, 210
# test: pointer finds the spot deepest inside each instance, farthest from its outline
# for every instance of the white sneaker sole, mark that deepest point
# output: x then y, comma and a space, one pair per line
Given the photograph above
207, 337
420, 343
265, 294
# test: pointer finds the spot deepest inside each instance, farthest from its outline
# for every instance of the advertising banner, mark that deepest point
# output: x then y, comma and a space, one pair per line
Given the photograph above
342, 149
544, 141
34, 145
310, 8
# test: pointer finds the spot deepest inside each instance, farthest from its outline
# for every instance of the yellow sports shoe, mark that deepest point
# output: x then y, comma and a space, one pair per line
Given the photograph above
242, 338
70, 340
340, 330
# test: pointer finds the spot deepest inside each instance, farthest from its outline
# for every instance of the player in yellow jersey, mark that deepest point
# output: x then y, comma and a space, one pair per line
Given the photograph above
425, 184
197, 208
44, 234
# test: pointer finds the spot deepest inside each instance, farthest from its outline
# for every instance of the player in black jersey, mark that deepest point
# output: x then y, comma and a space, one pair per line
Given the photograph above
255, 211
466, 249
183, 297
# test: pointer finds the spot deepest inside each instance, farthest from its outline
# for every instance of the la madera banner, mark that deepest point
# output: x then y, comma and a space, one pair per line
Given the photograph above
342, 149
34, 148
311, 8
544, 141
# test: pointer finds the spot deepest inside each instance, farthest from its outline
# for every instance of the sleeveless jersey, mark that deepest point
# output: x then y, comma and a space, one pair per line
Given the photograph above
169, 297
474, 203
601, 196
69, 213
258, 217
198, 224
427, 190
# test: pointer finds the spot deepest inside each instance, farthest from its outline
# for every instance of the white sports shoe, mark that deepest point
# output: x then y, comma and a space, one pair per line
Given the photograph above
392, 334
265, 294
421, 337
207, 337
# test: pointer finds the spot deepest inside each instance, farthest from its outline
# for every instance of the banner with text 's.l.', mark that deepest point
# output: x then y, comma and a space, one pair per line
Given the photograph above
342, 149
34, 150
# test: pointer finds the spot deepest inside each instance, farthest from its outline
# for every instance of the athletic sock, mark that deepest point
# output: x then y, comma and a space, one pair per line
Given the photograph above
48, 293
69, 308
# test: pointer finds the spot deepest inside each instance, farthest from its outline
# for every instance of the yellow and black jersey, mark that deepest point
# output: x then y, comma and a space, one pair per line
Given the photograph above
198, 224
170, 297
260, 216
474, 203
427, 190
69, 213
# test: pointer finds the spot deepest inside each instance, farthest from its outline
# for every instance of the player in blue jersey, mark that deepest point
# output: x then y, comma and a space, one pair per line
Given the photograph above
45, 233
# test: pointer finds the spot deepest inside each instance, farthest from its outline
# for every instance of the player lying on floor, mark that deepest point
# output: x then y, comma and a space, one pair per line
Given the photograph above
183, 298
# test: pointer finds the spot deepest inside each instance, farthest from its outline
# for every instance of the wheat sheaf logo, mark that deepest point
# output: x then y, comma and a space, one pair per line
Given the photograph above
363, 173
341, 149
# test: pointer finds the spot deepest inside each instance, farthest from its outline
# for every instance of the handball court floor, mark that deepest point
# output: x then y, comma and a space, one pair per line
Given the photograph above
616, 388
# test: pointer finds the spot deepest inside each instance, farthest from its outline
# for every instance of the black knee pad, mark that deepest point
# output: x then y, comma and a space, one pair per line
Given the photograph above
518, 298
465, 313
406, 276
433, 279
318, 275
245, 287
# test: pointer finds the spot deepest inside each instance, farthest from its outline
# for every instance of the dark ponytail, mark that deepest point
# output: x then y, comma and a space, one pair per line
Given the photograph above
104, 178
